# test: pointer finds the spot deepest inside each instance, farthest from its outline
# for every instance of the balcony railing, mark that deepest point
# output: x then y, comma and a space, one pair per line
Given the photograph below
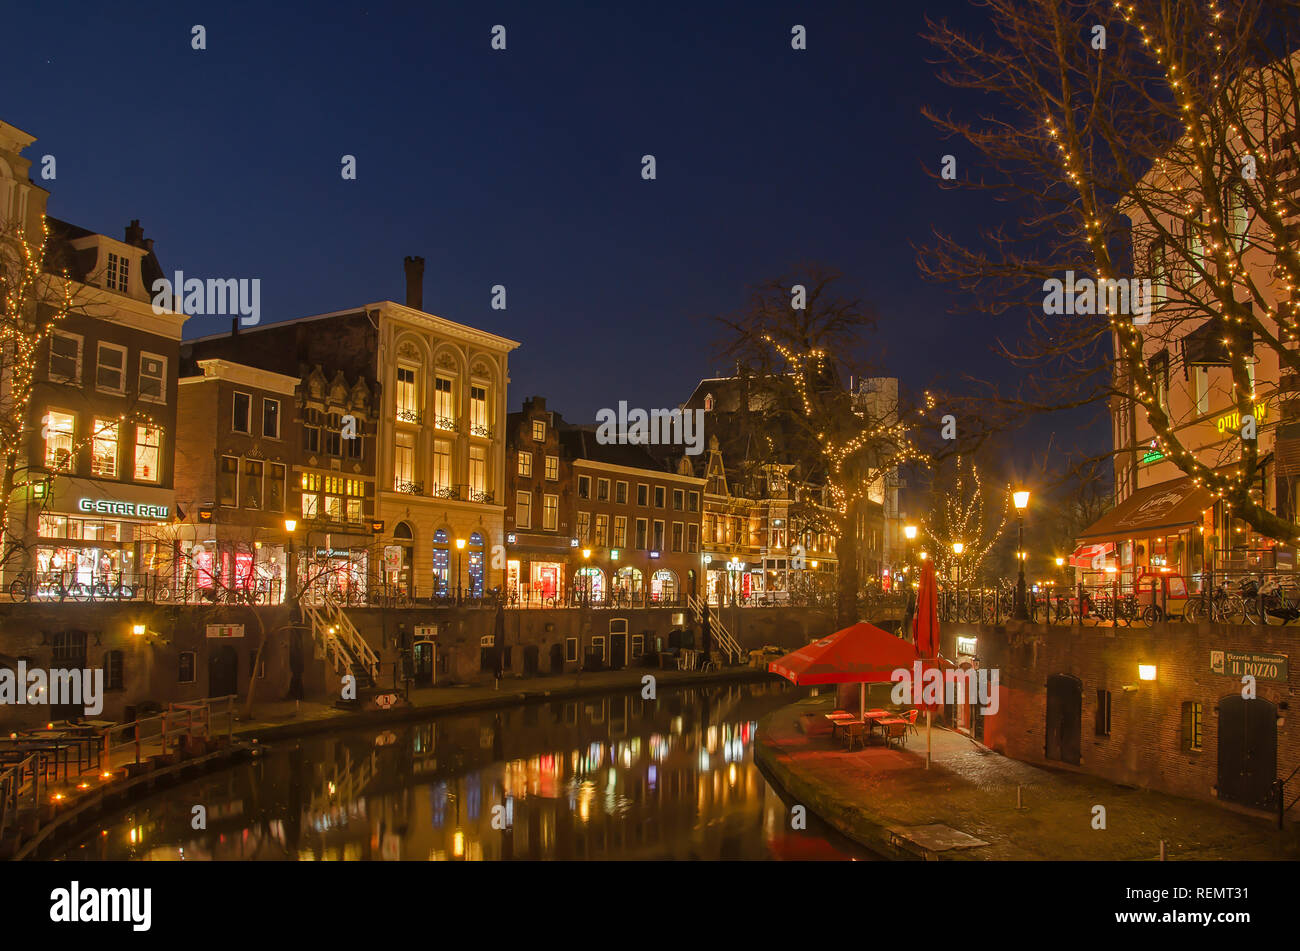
482, 431
445, 422
477, 496
445, 491
409, 416
410, 488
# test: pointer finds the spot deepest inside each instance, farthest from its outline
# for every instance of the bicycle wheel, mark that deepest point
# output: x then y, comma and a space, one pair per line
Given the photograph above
18, 591
1150, 614
1235, 611
99, 592
80, 592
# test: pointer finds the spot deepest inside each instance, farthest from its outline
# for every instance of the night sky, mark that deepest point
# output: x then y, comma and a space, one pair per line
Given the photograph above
519, 168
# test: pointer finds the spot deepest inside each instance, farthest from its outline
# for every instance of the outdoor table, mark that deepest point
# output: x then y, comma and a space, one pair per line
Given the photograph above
837, 719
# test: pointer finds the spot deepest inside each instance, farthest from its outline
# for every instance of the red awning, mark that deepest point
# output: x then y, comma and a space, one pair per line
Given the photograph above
1085, 556
862, 653
1152, 510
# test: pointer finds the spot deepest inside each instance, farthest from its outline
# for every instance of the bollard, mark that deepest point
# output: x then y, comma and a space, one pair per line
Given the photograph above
1019, 800
1162, 850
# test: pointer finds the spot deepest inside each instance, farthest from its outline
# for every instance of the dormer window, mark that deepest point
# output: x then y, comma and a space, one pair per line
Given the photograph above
708, 402
118, 276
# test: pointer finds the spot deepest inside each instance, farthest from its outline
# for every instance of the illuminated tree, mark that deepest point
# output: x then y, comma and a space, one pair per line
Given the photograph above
1148, 140
962, 510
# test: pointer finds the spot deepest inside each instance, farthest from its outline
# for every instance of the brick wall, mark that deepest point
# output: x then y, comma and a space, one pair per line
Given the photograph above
1145, 746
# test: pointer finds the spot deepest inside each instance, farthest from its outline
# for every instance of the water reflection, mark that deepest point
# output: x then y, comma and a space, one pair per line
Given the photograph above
612, 777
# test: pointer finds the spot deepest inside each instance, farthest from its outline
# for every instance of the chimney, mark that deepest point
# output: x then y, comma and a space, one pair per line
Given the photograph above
415, 283
135, 234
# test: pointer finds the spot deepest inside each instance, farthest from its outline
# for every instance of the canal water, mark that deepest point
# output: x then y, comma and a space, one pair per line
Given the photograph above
606, 777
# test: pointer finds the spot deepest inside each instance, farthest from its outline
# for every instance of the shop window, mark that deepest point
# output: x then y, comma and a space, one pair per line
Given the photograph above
65, 357
620, 531
275, 488
252, 483
227, 481
524, 510
148, 453
270, 418
242, 412
1193, 726
153, 377
642, 494
185, 667
553, 468
1103, 713
584, 487
113, 672
550, 512
539, 430
620, 493
525, 468
660, 496
110, 368
103, 448
59, 429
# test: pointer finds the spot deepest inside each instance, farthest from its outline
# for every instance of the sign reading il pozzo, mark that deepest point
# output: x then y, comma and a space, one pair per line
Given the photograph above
1272, 667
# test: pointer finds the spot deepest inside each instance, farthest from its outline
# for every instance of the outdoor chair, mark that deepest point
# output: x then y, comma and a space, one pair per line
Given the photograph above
910, 716
896, 731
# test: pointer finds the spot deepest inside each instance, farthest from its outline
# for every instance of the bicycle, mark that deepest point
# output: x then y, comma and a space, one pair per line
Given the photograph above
103, 591
27, 586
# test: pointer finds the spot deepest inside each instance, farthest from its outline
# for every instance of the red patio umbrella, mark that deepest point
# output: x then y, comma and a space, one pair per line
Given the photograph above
862, 653
925, 632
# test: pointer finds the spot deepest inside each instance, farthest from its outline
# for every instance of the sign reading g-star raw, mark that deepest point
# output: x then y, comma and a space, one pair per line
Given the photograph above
116, 507
1272, 667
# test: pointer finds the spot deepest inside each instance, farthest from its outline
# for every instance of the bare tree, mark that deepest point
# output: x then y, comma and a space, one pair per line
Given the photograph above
1144, 139
963, 510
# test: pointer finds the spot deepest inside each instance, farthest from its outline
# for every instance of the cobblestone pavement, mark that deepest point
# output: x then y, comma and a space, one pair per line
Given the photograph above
973, 790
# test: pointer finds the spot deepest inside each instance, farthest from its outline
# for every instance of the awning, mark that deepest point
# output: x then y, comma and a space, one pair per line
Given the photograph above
1167, 505
1085, 556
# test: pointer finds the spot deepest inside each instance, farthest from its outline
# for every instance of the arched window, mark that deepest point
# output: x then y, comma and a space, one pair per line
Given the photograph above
441, 563
475, 565
663, 585
405, 538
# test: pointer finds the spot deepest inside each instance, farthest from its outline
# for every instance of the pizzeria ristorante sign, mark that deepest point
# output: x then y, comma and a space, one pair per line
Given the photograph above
1272, 667
118, 507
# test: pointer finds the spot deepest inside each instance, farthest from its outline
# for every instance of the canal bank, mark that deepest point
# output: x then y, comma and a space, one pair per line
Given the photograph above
877, 797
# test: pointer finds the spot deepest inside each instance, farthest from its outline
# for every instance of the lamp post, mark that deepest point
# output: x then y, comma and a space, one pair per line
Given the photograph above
909, 532
291, 568
460, 547
1021, 499
708, 560
957, 549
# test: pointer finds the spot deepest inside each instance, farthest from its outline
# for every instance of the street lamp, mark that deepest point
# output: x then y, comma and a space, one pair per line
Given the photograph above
460, 547
291, 570
708, 560
586, 573
909, 532
1021, 499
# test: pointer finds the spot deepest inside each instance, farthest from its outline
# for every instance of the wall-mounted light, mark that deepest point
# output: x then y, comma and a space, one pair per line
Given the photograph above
1146, 671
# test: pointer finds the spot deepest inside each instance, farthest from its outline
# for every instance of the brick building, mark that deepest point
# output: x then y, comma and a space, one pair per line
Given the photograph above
438, 398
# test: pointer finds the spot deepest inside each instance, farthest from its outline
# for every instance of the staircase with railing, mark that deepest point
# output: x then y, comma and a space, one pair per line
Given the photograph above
344, 647
722, 637
345, 783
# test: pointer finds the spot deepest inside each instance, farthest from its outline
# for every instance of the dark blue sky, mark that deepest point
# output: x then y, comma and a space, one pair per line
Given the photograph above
519, 167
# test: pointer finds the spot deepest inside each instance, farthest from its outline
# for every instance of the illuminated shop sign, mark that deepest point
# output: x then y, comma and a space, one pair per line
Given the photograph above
130, 509
1233, 420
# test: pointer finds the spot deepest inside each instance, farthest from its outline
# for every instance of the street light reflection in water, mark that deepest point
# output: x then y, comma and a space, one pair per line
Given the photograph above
609, 777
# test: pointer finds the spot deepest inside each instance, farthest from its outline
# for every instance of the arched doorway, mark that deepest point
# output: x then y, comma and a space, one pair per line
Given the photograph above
223, 671
1247, 750
663, 585
1064, 718
627, 584
441, 563
474, 565
590, 584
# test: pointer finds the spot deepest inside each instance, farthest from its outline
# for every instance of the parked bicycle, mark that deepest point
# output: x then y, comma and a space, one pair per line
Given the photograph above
27, 586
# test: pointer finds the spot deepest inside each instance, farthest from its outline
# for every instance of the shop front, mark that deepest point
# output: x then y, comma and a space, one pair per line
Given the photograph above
96, 536
1158, 529
340, 572
535, 570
